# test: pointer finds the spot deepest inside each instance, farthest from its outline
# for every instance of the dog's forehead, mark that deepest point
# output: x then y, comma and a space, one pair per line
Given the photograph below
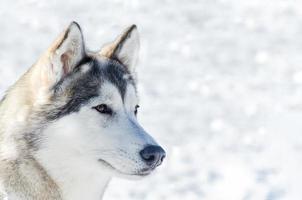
114, 73
111, 94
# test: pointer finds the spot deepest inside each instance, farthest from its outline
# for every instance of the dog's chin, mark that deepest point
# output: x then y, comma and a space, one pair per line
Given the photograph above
128, 175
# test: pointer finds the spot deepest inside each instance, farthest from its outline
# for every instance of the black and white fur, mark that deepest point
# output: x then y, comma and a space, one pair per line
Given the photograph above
56, 140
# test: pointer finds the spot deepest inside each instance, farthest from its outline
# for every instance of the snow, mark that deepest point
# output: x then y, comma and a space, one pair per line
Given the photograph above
220, 88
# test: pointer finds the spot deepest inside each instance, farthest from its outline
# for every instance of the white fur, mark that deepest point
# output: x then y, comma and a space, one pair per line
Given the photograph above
73, 145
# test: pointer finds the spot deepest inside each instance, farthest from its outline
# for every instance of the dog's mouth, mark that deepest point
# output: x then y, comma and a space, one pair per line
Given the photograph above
143, 172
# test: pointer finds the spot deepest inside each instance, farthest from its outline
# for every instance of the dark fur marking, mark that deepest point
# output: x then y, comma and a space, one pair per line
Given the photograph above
64, 38
3, 99
79, 89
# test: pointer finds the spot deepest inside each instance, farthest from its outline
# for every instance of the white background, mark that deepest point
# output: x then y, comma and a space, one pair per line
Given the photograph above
220, 87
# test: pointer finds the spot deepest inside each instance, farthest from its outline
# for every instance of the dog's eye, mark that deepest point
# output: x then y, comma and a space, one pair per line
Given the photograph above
103, 108
136, 108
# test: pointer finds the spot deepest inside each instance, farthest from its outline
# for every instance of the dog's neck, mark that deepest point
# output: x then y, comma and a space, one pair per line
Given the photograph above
79, 184
77, 177
75, 180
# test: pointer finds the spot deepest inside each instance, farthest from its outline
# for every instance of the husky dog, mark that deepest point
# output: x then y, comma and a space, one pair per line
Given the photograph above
68, 125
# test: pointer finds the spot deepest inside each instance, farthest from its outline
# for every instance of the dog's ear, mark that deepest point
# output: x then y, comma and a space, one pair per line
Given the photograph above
64, 54
124, 49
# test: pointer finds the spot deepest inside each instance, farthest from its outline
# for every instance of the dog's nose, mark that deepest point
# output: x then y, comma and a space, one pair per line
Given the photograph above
153, 155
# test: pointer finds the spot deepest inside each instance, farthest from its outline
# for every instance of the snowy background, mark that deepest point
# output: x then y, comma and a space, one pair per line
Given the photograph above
220, 87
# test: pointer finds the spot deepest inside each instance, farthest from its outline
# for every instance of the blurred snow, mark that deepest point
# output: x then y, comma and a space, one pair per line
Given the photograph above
220, 87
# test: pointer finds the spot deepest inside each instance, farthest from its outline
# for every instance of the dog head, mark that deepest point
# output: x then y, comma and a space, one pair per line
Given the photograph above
89, 103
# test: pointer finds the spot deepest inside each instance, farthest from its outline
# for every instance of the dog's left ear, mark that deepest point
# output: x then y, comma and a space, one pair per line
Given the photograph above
124, 49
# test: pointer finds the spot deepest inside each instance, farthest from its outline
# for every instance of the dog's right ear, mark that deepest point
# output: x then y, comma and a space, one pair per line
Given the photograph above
63, 55
124, 49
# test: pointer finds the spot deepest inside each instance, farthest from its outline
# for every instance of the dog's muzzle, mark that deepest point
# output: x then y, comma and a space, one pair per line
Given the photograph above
153, 155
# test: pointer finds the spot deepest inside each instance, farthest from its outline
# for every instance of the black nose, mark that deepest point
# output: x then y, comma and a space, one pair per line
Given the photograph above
153, 155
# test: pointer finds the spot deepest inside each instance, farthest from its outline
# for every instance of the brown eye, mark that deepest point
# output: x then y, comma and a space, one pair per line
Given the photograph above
103, 108
136, 108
